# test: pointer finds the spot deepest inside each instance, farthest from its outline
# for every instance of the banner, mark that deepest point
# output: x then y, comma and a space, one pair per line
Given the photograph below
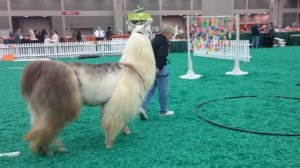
211, 34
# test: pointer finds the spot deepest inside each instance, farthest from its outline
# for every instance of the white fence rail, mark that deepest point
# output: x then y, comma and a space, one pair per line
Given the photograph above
221, 49
62, 50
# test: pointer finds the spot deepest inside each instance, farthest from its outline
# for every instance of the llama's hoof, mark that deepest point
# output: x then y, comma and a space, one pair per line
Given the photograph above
59, 146
108, 146
126, 132
49, 153
45, 153
62, 150
109, 143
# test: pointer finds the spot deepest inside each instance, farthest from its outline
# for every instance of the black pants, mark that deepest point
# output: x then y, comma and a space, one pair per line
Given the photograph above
99, 38
269, 40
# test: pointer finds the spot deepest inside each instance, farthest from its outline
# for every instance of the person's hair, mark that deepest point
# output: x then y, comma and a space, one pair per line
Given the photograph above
168, 29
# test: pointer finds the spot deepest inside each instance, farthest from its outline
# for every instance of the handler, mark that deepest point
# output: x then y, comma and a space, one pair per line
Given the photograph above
161, 48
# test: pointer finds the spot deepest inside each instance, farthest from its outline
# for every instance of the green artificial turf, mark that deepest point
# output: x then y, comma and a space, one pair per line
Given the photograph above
182, 140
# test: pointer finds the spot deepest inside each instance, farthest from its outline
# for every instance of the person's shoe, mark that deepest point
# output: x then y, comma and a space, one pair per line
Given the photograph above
168, 113
143, 115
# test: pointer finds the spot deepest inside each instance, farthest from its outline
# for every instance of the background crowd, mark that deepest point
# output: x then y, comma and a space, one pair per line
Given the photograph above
52, 36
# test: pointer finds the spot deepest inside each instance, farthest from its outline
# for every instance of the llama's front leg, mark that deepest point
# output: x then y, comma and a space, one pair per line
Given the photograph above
111, 129
126, 130
110, 134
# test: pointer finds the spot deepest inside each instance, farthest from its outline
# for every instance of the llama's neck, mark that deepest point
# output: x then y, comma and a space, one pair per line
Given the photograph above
144, 66
138, 53
139, 63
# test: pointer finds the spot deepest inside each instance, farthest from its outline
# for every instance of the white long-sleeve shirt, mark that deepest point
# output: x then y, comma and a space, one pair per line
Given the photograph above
54, 38
99, 33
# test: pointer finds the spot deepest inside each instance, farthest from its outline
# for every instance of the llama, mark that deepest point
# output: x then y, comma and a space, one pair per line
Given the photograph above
56, 91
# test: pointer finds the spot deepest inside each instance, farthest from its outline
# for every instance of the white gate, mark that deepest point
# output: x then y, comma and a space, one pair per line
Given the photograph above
33, 51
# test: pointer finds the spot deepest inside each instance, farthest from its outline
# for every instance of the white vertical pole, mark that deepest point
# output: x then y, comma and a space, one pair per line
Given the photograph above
9, 16
190, 66
236, 69
190, 73
237, 31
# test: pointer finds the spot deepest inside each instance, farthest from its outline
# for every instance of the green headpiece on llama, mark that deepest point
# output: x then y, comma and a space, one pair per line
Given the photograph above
138, 9
138, 14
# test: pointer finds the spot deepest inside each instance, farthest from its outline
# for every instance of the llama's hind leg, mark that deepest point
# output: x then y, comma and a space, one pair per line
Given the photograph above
44, 150
35, 123
43, 134
34, 118
39, 142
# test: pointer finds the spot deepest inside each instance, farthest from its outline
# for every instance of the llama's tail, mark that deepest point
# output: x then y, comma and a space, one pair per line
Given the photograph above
52, 92
119, 108
122, 106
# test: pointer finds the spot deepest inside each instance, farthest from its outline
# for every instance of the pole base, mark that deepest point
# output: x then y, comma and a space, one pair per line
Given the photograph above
190, 75
236, 72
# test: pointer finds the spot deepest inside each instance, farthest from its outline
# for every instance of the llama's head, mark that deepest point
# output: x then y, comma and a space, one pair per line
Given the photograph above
144, 28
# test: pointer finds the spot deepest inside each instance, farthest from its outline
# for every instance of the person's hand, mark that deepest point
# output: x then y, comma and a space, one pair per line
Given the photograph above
157, 71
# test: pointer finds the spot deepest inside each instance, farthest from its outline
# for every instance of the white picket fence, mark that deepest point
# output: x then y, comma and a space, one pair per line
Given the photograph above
33, 51
228, 49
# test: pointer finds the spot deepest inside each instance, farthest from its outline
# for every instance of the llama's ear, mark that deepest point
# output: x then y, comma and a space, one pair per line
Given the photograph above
148, 22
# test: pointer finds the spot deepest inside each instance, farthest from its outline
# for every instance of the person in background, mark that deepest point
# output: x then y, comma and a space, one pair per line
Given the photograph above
276, 31
160, 45
43, 36
11, 34
99, 34
18, 36
54, 36
38, 35
263, 28
287, 28
78, 35
255, 35
108, 33
120, 31
271, 33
